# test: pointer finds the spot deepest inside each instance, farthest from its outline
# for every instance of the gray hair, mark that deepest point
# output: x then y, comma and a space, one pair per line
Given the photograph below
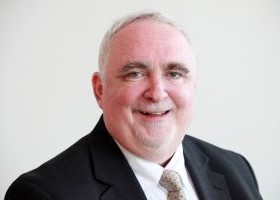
125, 21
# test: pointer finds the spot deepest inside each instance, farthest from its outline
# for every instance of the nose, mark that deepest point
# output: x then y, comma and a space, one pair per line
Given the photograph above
156, 89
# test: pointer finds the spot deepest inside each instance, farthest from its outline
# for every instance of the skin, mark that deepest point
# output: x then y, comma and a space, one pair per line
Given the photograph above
147, 89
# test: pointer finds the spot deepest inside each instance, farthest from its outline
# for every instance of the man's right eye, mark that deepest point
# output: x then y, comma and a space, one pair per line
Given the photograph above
134, 75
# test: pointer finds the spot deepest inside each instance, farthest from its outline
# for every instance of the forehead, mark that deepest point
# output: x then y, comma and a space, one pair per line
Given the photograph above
149, 41
148, 30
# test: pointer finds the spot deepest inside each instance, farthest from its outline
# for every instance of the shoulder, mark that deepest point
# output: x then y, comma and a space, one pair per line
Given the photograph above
24, 189
216, 155
56, 176
233, 165
209, 149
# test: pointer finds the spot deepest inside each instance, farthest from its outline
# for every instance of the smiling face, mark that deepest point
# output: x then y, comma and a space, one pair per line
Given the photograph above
147, 90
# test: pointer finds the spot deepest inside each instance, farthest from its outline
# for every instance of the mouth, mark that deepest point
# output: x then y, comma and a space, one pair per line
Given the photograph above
155, 113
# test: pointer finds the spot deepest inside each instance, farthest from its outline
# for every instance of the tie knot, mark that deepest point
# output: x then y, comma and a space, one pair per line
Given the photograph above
171, 180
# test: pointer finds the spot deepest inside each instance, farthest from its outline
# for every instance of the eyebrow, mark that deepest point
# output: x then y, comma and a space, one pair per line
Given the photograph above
178, 66
134, 65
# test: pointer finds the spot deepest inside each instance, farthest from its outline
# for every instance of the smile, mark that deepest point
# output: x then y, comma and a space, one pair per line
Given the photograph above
157, 113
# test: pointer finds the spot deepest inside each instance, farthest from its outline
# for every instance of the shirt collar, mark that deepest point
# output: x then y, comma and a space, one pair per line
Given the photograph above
149, 173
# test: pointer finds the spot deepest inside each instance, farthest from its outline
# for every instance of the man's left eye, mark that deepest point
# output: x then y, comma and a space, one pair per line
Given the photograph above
174, 75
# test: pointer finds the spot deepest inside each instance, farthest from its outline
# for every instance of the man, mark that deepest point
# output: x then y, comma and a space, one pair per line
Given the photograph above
145, 87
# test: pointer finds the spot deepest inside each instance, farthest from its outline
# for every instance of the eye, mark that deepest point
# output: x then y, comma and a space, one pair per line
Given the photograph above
133, 76
174, 75
133, 71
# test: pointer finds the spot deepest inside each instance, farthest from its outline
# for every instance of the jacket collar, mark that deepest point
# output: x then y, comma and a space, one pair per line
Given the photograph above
209, 185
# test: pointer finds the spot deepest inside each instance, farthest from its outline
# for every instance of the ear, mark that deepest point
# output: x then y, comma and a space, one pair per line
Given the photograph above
97, 87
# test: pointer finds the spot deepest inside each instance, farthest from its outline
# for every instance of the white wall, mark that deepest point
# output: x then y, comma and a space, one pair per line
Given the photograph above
48, 51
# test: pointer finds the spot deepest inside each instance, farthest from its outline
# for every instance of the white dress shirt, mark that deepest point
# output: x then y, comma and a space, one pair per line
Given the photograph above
148, 174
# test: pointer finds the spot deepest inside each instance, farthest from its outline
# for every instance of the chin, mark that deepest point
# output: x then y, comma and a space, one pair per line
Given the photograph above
154, 142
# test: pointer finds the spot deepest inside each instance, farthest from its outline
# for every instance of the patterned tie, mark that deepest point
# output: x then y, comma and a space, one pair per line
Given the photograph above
171, 181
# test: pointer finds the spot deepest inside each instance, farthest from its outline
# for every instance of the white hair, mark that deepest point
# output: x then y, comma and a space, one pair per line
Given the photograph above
125, 21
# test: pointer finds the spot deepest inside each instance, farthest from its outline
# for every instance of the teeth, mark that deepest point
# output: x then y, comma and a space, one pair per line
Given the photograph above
154, 113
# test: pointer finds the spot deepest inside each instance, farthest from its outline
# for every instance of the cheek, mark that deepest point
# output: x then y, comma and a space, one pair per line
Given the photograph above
127, 98
123, 97
184, 98
185, 107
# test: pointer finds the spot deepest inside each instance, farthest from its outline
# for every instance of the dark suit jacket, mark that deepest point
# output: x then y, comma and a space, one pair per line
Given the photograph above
95, 168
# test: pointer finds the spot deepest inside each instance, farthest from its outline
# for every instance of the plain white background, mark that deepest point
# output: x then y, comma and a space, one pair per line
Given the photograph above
48, 52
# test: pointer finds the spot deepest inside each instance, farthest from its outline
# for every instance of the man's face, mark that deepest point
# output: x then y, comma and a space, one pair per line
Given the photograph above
147, 91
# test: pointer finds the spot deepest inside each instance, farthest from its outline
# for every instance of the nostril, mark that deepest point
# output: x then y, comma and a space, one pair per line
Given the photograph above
156, 94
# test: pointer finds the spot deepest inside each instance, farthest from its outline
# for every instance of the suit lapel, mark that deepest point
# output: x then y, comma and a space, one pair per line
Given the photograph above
209, 185
111, 168
119, 182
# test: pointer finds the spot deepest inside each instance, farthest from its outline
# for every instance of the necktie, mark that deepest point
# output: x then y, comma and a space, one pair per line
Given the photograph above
171, 181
